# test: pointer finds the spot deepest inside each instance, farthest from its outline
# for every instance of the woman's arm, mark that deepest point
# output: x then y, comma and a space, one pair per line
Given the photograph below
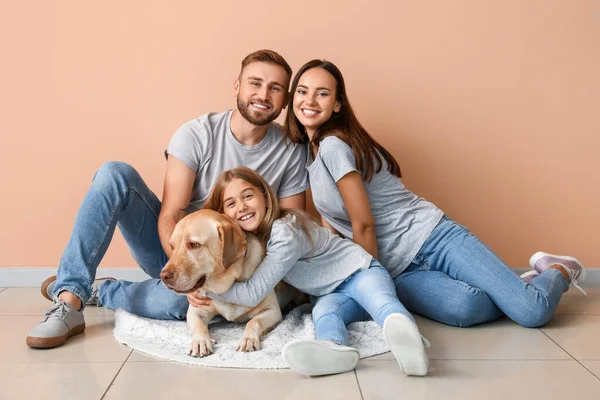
357, 204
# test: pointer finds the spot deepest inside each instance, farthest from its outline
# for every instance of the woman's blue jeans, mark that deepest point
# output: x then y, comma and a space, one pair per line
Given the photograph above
457, 280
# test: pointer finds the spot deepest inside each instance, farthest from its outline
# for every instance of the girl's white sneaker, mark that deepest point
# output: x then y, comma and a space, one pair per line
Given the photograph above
319, 357
406, 344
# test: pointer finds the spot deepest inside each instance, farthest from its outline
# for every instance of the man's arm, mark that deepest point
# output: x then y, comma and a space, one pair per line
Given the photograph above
295, 201
177, 192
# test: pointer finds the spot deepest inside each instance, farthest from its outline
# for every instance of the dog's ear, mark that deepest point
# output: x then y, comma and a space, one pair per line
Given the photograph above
233, 243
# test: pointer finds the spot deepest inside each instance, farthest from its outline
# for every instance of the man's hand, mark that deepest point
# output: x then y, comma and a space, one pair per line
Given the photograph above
197, 299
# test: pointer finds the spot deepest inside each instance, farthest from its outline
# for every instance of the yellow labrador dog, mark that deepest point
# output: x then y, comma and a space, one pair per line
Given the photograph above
211, 252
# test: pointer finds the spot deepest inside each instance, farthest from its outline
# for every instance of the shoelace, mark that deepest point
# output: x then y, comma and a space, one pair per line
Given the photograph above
574, 279
426, 342
575, 283
59, 310
94, 294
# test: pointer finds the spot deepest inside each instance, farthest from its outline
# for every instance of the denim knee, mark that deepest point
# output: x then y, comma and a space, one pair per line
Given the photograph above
477, 308
179, 309
325, 307
532, 316
322, 309
115, 175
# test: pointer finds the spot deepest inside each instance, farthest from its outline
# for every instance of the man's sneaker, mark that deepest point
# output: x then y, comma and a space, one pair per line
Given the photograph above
529, 275
406, 344
540, 262
60, 323
320, 357
48, 287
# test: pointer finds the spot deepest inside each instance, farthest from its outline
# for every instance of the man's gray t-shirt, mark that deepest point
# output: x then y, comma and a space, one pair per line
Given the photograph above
403, 220
316, 269
207, 146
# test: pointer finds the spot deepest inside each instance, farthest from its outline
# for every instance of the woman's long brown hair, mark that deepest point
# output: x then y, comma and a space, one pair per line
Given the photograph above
343, 124
274, 211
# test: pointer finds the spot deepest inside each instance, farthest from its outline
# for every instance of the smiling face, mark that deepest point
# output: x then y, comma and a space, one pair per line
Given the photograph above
261, 92
315, 99
245, 203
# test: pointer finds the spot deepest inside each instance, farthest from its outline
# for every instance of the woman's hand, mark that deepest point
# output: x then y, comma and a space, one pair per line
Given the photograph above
197, 299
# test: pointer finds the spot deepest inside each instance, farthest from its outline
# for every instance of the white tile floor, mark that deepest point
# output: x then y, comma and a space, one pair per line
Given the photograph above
496, 361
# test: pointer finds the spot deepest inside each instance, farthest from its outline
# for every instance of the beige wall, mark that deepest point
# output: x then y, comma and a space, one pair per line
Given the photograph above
490, 107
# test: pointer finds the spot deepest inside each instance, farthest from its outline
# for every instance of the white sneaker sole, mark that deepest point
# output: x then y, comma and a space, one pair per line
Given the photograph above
406, 344
314, 358
536, 257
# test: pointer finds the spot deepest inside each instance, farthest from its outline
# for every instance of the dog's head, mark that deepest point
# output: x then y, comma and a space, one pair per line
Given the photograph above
205, 244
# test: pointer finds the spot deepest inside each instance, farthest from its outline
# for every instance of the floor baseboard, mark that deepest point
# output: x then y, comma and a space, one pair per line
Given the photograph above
33, 277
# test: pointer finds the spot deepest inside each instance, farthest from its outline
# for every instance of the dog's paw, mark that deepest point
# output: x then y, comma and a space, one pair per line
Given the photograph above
248, 344
201, 347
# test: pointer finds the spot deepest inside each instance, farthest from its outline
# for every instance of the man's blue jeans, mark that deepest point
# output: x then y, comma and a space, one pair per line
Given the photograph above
119, 197
457, 280
369, 293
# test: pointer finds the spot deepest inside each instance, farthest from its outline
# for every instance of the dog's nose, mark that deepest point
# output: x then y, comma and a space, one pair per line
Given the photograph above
166, 276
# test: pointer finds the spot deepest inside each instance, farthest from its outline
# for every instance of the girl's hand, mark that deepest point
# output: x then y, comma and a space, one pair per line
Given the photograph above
197, 299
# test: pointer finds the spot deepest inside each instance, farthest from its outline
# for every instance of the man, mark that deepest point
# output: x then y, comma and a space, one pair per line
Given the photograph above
198, 152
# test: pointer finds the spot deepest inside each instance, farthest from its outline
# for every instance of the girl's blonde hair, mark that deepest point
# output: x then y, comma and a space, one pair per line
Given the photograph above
274, 211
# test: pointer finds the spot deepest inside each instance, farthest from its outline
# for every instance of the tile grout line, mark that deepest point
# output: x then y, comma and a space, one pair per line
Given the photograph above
358, 383
117, 374
42, 314
570, 355
491, 359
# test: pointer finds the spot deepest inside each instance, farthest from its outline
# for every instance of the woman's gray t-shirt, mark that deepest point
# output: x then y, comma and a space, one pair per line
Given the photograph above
403, 220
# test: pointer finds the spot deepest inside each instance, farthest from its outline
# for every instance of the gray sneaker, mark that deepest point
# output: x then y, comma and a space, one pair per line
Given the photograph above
48, 287
60, 323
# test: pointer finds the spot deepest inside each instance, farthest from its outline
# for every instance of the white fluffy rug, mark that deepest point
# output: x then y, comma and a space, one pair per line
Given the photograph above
171, 339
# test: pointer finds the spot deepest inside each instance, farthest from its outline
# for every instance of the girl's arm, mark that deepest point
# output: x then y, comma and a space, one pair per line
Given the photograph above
357, 204
283, 251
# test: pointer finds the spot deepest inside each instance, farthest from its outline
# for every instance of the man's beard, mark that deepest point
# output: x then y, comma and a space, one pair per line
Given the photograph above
247, 113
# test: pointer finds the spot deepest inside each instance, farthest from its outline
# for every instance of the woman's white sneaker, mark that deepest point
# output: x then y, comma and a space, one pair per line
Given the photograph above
319, 357
406, 344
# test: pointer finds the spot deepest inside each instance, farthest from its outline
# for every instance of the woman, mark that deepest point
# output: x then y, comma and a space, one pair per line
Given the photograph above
440, 269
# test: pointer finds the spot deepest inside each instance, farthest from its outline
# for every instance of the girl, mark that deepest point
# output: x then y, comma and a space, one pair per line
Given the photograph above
312, 259
440, 269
